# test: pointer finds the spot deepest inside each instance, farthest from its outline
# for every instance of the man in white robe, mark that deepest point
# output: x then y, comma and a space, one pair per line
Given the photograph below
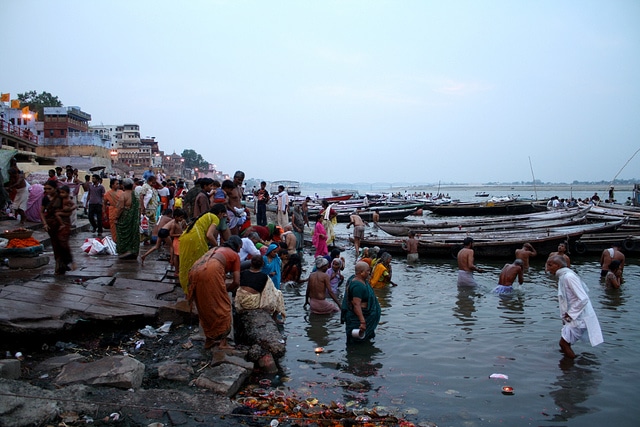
576, 310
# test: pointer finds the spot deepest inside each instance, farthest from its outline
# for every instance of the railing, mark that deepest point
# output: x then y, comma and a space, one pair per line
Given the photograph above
18, 131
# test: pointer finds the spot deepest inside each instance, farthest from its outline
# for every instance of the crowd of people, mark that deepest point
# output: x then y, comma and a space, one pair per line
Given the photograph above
216, 251
577, 314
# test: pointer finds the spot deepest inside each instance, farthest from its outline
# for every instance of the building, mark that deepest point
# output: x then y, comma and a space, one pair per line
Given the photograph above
129, 151
173, 165
67, 138
18, 129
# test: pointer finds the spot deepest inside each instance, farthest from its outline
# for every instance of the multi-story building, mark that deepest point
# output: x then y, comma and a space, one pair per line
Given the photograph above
173, 165
130, 151
66, 137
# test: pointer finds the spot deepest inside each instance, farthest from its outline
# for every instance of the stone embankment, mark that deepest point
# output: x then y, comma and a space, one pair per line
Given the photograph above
112, 367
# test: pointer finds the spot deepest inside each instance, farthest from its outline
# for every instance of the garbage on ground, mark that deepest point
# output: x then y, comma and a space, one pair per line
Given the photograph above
148, 331
93, 246
165, 328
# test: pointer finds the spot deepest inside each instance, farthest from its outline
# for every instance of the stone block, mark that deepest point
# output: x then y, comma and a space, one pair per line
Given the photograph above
58, 361
225, 379
114, 371
28, 263
10, 369
175, 371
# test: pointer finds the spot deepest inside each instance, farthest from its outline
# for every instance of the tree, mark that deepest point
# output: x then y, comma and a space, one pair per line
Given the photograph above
194, 160
38, 102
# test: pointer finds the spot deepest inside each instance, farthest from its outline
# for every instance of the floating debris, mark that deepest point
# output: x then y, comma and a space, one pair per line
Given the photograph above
499, 376
507, 390
281, 407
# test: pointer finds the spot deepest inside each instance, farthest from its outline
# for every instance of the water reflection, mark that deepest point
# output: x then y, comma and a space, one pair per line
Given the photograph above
384, 296
361, 359
465, 307
612, 299
317, 328
578, 380
512, 306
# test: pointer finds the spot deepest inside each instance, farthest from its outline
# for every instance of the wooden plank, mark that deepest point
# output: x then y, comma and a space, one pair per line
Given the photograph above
74, 305
67, 288
21, 310
158, 288
101, 310
15, 292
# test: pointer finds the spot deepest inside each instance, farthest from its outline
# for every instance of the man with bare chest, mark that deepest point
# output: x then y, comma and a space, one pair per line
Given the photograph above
318, 287
466, 266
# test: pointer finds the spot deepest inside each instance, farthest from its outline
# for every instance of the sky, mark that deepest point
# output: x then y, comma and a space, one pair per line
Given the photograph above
350, 91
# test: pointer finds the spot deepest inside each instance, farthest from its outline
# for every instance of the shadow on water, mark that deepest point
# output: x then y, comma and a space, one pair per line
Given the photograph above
577, 382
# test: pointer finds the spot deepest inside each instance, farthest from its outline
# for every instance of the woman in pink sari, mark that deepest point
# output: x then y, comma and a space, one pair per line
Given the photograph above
319, 239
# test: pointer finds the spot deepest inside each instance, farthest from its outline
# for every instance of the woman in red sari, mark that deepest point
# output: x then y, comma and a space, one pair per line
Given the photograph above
55, 212
210, 293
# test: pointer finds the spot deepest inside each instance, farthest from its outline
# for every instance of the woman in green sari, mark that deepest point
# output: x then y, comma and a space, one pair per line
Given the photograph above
360, 307
128, 222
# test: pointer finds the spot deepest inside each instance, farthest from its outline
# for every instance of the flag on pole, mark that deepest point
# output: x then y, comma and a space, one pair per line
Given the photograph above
5, 97
25, 110
15, 103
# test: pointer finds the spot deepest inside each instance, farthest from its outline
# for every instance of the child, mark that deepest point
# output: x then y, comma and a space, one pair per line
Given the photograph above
161, 233
613, 277
176, 227
219, 196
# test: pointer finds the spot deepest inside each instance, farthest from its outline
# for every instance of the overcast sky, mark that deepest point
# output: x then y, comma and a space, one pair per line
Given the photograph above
349, 91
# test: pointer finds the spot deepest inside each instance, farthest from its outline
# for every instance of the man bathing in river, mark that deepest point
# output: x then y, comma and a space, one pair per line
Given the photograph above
508, 275
466, 267
318, 287
525, 253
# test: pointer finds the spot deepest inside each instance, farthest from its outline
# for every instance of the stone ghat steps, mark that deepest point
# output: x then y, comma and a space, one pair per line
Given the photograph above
46, 305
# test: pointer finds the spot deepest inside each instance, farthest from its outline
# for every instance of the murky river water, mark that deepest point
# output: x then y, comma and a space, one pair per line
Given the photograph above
436, 347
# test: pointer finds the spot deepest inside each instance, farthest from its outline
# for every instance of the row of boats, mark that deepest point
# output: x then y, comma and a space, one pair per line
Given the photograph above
583, 229
498, 226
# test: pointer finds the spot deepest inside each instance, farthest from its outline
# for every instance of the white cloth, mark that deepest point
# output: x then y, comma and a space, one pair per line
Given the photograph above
21, 198
574, 301
248, 248
283, 201
465, 278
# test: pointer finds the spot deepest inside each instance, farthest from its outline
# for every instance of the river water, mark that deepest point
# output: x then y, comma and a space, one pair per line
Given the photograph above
436, 347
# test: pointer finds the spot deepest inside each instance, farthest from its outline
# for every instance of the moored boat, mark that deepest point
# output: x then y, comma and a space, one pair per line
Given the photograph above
489, 207
494, 244
466, 224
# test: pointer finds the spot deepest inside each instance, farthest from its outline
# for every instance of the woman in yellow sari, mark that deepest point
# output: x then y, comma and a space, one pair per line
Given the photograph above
196, 239
381, 275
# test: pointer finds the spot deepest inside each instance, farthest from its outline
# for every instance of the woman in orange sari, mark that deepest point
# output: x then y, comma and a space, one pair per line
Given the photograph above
110, 201
210, 292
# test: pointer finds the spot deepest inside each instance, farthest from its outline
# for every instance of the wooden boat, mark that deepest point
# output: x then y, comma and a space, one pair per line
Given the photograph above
341, 192
292, 187
385, 212
509, 207
495, 244
534, 220
597, 242
336, 199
